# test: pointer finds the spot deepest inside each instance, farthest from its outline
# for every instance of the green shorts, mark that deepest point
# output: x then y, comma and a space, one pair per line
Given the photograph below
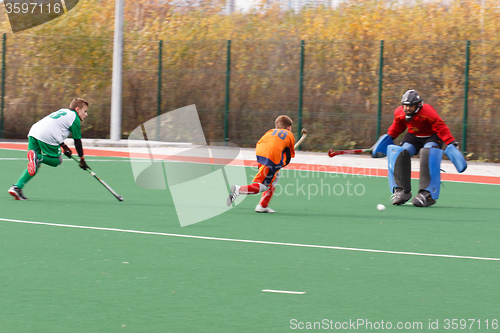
40, 146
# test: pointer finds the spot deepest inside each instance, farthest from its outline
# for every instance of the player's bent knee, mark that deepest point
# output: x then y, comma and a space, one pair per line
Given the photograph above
430, 171
411, 148
60, 159
263, 187
431, 145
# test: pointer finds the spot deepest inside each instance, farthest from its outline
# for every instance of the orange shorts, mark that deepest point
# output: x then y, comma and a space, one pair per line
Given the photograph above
266, 175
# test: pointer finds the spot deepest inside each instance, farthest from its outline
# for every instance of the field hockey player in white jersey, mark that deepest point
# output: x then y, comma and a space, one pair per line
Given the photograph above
46, 139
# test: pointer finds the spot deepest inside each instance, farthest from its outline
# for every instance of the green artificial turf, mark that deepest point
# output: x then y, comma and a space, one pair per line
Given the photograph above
61, 279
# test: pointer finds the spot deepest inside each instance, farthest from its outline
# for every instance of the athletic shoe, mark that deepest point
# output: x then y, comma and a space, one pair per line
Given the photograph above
235, 191
423, 199
17, 193
32, 162
260, 209
400, 197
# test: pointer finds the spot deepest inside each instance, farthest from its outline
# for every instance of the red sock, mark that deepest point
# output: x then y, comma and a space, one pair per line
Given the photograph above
250, 189
266, 197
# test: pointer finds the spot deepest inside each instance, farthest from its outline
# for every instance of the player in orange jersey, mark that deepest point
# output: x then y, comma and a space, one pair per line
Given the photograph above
274, 151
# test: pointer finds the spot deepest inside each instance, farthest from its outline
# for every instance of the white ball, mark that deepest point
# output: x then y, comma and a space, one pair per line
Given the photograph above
380, 207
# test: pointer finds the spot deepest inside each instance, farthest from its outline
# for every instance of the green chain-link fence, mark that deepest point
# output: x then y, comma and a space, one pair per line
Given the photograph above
346, 97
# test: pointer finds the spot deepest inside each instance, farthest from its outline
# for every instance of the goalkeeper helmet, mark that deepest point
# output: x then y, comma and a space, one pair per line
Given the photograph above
410, 98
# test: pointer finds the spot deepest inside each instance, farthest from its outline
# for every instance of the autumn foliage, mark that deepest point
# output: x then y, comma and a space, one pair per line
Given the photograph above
424, 47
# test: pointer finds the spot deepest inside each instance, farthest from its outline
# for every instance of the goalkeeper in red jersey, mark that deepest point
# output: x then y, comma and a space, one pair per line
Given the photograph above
274, 151
426, 135
46, 139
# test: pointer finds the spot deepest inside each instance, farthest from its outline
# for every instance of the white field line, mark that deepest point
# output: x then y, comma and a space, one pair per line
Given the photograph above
251, 241
283, 291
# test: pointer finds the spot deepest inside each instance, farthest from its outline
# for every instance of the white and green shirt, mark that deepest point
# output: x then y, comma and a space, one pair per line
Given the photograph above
56, 127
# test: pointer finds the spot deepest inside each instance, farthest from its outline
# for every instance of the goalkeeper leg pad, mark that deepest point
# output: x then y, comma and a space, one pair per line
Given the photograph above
430, 171
399, 168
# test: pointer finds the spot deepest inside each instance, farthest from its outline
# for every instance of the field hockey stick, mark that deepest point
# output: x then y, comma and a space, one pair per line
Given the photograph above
119, 197
332, 152
304, 135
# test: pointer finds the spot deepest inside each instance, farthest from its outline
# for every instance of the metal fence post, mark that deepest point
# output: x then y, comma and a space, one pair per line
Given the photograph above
380, 78
158, 111
466, 95
160, 46
301, 90
228, 77
3, 86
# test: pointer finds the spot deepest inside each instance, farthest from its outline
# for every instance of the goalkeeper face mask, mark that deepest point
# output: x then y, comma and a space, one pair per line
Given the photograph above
412, 103
410, 111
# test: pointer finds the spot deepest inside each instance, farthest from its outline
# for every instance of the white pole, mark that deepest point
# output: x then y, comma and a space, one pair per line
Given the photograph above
116, 93
230, 5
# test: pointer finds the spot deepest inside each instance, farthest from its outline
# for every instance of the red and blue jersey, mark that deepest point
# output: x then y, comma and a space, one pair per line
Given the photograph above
275, 148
